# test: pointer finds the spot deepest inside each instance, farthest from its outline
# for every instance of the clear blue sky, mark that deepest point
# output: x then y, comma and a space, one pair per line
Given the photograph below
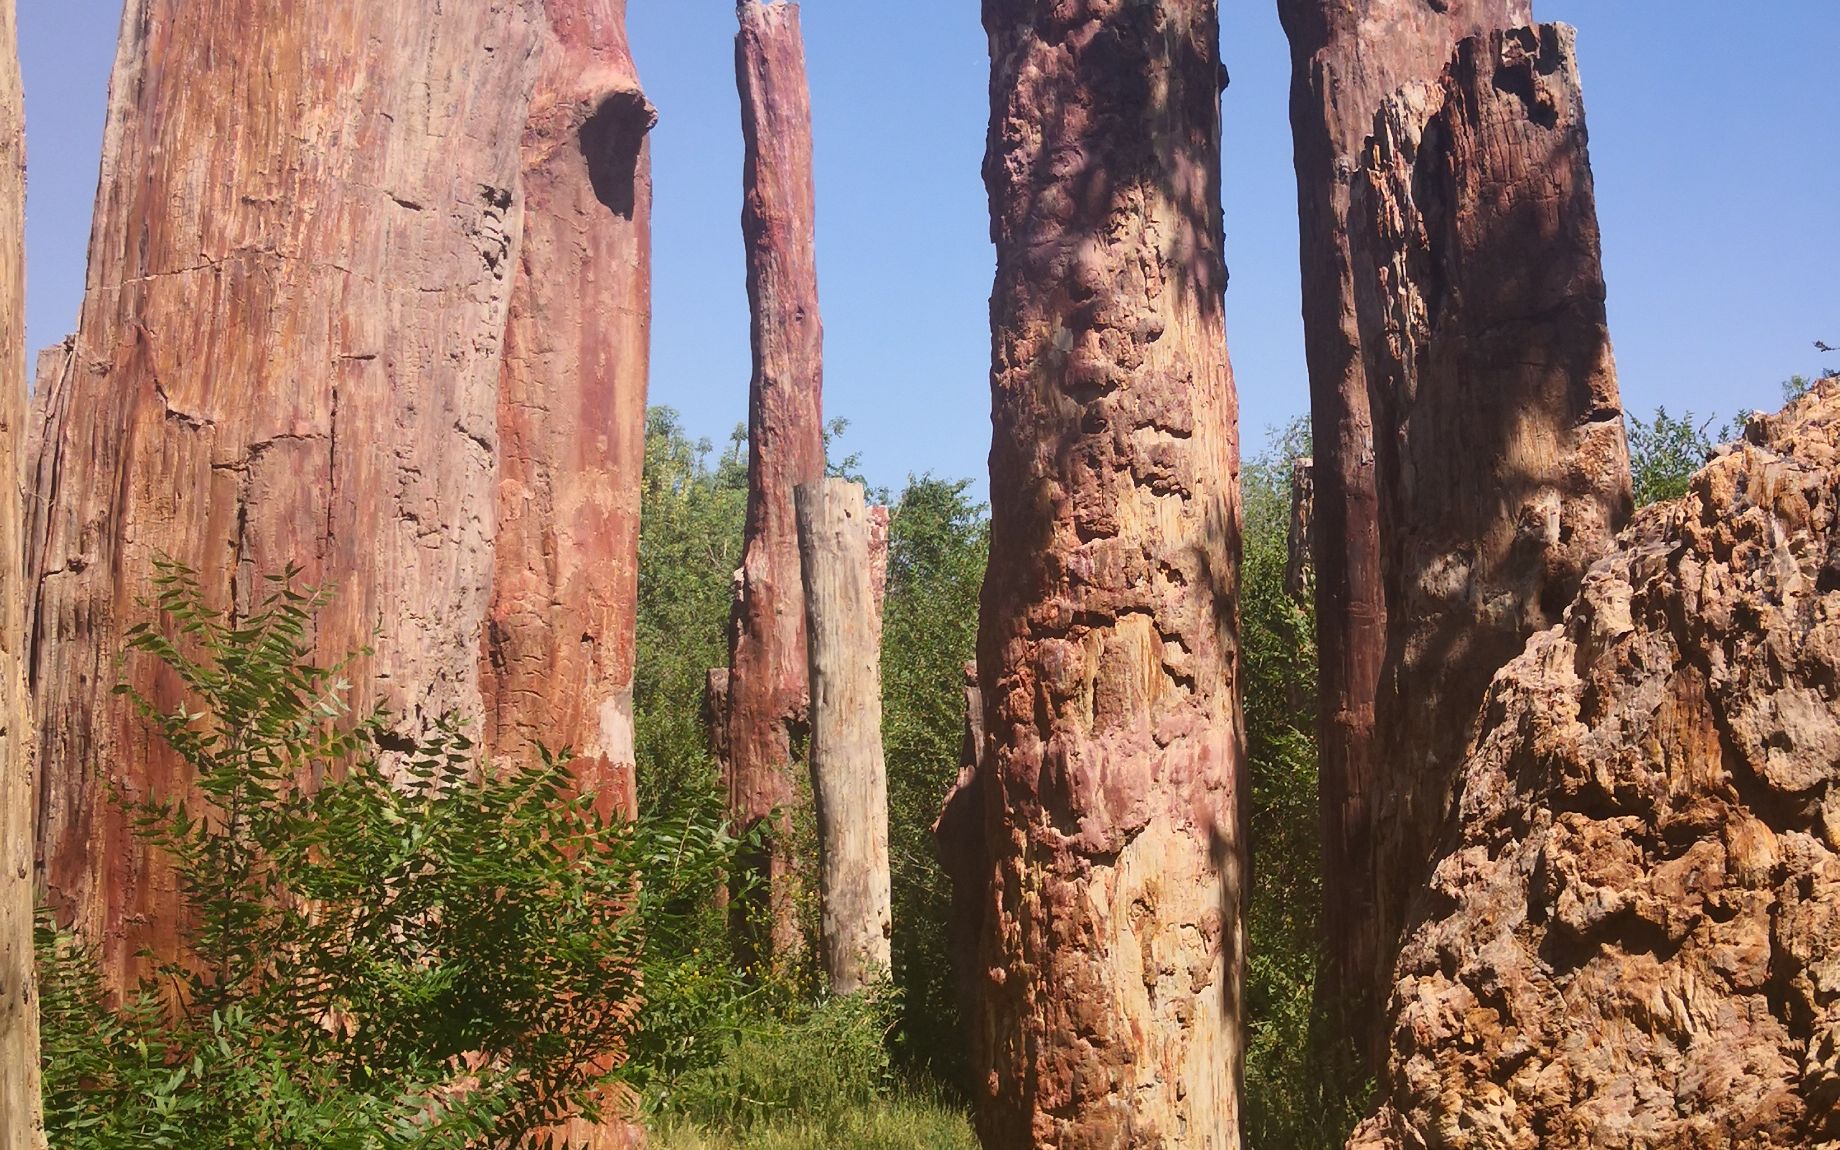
1715, 132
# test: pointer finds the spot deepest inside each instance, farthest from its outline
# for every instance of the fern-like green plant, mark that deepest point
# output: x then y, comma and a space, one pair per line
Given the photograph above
386, 943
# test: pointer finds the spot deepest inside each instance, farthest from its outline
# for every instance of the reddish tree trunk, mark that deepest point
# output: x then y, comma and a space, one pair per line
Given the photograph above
571, 410
288, 353
1347, 56
21, 1119
1503, 471
1110, 963
767, 673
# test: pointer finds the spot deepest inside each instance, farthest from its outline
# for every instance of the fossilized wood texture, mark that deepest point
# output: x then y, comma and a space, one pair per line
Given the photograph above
307, 242
1346, 57
1109, 971
1633, 938
767, 674
838, 540
961, 842
1501, 465
571, 411
21, 1120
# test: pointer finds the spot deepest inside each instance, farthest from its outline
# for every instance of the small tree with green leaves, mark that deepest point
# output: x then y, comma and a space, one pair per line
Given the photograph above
401, 948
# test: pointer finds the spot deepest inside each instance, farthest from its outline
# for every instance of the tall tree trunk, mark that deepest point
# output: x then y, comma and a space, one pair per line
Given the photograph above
21, 1120
299, 275
849, 777
571, 410
1503, 470
1346, 57
571, 424
767, 672
1113, 939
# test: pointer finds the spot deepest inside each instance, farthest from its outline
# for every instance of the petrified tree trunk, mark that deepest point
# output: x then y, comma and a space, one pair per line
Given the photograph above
1111, 958
1502, 467
571, 410
767, 684
571, 424
288, 353
1347, 56
960, 837
1635, 934
849, 778
21, 1120
1299, 563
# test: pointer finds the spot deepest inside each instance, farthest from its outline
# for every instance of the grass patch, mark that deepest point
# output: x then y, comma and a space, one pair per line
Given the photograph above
902, 1122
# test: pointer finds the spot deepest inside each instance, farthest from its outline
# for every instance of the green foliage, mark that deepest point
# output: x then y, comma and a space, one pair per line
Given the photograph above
415, 952
908, 1120
690, 535
939, 541
1294, 1099
1664, 453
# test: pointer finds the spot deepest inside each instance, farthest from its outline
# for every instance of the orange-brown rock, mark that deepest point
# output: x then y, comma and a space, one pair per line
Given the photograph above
299, 345
571, 410
1109, 967
21, 1121
1500, 461
1632, 936
1346, 57
767, 684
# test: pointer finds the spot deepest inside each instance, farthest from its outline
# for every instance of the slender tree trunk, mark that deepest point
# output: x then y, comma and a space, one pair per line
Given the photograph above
849, 778
1346, 57
571, 411
767, 661
1299, 561
21, 1120
1112, 943
1503, 470
961, 839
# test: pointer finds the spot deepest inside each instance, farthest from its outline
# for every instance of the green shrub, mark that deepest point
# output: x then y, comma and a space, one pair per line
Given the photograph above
417, 952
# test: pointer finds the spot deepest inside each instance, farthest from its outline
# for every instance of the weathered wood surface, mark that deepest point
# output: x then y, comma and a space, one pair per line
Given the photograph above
838, 541
21, 1117
1503, 473
1346, 57
322, 328
767, 662
571, 411
1109, 972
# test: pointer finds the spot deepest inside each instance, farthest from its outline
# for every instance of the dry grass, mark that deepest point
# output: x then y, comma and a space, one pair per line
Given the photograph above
899, 1124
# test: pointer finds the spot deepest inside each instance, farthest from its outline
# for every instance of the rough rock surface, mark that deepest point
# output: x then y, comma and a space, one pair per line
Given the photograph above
1632, 938
21, 1123
767, 684
1500, 461
1111, 941
293, 349
571, 410
1346, 57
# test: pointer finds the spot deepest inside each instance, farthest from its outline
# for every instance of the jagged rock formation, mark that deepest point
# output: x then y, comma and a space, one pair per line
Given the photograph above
571, 410
298, 344
767, 675
1111, 941
839, 538
1632, 938
1347, 56
21, 1120
1500, 462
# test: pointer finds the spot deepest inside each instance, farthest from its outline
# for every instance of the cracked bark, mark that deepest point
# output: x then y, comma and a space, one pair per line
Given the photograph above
767, 687
1109, 792
1346, 57
21, 1116
1502, 469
